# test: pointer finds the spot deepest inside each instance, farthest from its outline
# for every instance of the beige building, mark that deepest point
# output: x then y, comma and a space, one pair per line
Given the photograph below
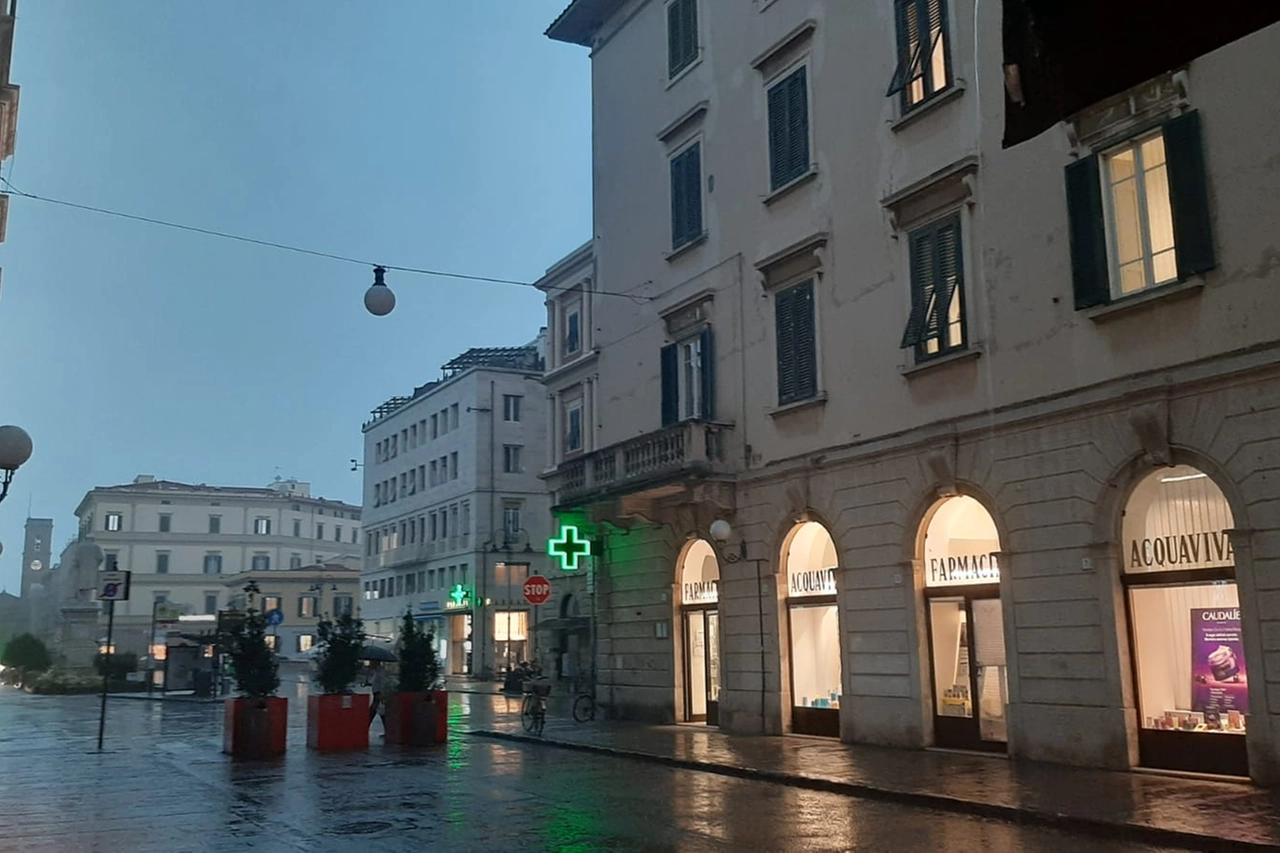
303, 596
992, 428
181, 541
8, 99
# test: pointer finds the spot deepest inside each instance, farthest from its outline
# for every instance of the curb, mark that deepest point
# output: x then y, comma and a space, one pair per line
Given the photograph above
1129, 832
190, 700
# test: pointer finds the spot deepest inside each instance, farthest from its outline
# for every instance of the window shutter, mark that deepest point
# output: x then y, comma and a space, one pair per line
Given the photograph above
689, 29
921, 322
670, 385
1189, 195
806, 342
1090, 272
678, 202
901, 73
675, 41
783, 306
949, 272
778, 99
693, 192
798, 124
706, 348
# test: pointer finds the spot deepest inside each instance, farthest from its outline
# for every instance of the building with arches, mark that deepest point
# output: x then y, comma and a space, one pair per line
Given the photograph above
986, 429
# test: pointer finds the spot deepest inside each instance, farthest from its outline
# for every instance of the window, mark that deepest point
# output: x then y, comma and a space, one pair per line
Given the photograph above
686, 379
213, 564
682, 35
434, 529
435, 427
270, 602
922, 51
572, 327
422, 476
444, 524
465, 519
262, 526
422, 581
937, 323
319, 530
453, 465
573, 425
395, 446
511, 407
511, 518
413, 435
797, 343
435, 473
511, 459
215, 524
306, 606
166, 522
453, 416
305, 642
789, 128
261, 562
355, 535
343, 605
453, 519
462, 574
410, 584
404, 485
422, 431
162, 563
297, 527
295, 561
111, 561
273, 642
114, 521
686, 196
210, 603
399, 585
404, 438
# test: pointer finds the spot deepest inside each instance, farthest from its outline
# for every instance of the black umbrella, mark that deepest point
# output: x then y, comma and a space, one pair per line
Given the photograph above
378, 653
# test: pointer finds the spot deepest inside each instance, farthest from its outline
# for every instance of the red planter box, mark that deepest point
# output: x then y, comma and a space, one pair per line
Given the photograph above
254, 728
338, 721
418, 719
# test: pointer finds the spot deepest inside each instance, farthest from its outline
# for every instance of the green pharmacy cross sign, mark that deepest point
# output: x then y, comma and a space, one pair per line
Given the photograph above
458, 594
568, 547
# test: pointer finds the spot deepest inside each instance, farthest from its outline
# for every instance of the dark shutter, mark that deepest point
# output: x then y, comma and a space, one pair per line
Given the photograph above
806, 342
950, 278
690, 29
670, 385
1090, 272
905, 59
783, 302
922, 322
678, 202
1189, 195
675, 41
693, 191
778, 142
707, 350
798, 124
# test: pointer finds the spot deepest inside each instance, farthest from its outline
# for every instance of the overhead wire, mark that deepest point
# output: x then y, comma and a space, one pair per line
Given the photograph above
271, 244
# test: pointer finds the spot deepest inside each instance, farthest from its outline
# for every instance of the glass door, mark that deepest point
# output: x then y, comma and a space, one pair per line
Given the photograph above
970, 686
713, 668
695, 644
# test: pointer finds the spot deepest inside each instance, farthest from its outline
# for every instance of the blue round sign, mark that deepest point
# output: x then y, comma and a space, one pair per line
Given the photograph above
275, 617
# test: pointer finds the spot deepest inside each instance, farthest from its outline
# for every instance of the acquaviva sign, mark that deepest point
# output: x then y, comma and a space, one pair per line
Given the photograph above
1182, 551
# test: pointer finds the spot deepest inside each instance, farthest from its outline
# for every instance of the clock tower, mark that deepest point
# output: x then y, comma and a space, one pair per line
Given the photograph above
37, 550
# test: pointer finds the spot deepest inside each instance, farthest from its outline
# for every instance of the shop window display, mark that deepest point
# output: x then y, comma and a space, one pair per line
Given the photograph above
815, 631
815, 656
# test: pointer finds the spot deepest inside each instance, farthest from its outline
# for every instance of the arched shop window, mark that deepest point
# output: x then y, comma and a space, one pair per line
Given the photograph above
1185, 628
814, 627
699, 576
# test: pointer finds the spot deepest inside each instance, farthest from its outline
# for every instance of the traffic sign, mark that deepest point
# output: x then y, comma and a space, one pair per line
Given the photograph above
113, 586
537, 589
275, 617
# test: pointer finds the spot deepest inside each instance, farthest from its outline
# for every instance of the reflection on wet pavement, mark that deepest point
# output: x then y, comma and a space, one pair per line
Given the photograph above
162, 784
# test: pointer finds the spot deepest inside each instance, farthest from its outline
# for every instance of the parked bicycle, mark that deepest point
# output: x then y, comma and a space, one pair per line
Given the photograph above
533, 710
584, 702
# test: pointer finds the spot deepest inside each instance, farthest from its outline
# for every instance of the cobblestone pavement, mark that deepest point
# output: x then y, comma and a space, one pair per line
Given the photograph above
162, 785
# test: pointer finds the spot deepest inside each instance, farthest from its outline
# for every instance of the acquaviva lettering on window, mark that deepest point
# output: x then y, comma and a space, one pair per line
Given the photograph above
700, 592
963, 569
815, 582
1184, 551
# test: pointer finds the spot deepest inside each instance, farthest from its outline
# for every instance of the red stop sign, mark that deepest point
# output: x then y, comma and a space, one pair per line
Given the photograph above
537, 590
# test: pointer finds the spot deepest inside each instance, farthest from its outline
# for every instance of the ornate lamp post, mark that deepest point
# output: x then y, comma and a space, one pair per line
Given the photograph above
15, 450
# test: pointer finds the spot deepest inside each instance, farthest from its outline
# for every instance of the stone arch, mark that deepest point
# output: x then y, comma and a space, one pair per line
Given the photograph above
923, 512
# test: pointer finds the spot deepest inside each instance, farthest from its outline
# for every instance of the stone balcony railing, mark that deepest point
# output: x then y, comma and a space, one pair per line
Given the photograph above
418, 552
692, 448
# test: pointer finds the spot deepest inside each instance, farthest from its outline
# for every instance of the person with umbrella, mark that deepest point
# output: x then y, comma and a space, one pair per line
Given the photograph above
377, 680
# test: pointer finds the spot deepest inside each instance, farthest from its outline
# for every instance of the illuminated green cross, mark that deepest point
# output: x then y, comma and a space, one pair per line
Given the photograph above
568, 548
458, 594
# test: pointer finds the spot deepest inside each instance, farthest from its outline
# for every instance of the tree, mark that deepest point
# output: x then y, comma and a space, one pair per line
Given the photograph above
419, 667
253, 665
26, 654
338, 663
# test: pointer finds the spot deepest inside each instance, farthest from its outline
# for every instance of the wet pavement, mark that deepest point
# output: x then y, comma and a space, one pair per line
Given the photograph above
162, 784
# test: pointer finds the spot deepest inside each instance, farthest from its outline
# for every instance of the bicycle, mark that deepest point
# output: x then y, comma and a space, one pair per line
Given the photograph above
533, 710
584, 703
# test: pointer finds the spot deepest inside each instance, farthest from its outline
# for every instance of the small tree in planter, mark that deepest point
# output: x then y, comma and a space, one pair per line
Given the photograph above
25, 656
254, 724
417, 714
338, 719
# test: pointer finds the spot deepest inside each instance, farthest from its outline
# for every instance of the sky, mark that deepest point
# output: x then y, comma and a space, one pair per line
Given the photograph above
420, 133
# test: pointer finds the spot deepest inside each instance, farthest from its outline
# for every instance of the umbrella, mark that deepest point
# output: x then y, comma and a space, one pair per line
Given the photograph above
378, 653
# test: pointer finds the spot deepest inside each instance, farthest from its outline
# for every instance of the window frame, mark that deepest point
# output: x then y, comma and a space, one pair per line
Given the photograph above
686, 233
901, 82
511, 459
919, 319
573, 405
1114, 276
165, 524
571, 340
784, 296
113, 522
302, 606
677, 65
777, 181
511, 405
262, 526
211, 559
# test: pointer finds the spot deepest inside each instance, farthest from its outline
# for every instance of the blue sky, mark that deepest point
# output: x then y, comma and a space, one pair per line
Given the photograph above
419, 133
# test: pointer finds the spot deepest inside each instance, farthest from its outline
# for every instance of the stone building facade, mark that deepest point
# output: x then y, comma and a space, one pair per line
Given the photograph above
990, 428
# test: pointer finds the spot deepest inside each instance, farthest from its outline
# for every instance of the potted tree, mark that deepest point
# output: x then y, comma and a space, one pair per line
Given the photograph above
255, 722
25, 655
417, 713
337, 718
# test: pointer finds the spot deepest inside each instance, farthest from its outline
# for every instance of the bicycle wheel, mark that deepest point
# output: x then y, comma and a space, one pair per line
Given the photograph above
528, 715
584, 708
542, 718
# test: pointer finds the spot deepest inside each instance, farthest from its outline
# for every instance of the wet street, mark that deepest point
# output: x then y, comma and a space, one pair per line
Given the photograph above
162, 784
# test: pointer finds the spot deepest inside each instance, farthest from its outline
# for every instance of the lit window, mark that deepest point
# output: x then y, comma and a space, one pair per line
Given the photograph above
922, 51
305, 642
937, 322
114, 521
306, 605
262, 526
1140, 218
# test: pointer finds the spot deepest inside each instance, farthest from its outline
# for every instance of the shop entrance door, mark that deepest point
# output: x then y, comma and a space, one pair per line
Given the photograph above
970, 680
702, 666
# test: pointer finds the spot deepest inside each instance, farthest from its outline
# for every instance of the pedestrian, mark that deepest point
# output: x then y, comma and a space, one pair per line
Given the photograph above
378, 681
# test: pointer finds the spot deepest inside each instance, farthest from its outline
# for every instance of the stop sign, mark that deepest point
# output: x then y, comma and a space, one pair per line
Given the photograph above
537, 590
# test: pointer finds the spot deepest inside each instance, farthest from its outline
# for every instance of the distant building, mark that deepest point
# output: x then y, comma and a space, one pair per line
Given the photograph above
456, 516
302, 596
182, 540
8, 99
37, 568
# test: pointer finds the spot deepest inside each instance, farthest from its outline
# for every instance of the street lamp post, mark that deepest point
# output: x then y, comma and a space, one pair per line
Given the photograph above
721, 531
15, 450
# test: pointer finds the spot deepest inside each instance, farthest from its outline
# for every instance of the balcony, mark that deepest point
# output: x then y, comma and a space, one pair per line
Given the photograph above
644, 464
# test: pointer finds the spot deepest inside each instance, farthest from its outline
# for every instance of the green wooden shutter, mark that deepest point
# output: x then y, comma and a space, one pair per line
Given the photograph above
950, 277
678, 202
798, 124
784, 317
670, 363
675, 41
905, 57
706, 348
1090, 271
693, 191
806, 341
779, 97
1189, 195
690, 29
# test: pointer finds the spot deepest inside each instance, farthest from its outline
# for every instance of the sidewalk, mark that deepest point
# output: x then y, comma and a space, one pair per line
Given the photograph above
1135, 807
